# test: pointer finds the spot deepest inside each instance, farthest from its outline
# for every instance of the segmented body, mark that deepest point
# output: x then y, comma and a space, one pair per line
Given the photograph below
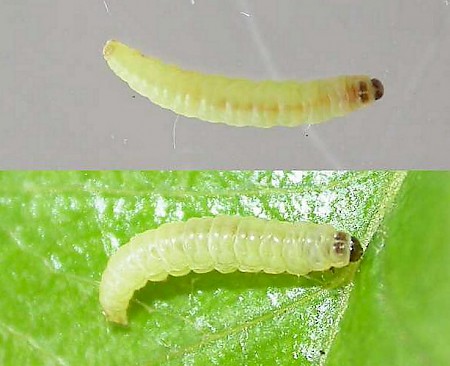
223, 243
240, 102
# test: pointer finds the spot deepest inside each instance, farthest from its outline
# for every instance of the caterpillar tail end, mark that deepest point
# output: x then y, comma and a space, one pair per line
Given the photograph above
118, 317
109, 49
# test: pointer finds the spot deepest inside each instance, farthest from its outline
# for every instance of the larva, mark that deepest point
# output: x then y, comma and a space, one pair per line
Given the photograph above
223, 243
240, 102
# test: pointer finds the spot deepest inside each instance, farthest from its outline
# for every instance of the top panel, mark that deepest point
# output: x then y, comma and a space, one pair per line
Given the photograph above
63, 107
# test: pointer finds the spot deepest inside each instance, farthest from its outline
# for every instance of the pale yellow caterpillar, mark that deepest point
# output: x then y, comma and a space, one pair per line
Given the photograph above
225, 244
240, 102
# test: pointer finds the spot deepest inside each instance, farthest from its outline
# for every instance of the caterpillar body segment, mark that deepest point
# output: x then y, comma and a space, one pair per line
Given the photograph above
225, 244
240, 102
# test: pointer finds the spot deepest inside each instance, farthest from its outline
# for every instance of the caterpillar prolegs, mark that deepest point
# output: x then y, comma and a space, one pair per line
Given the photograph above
225, 244
240, 102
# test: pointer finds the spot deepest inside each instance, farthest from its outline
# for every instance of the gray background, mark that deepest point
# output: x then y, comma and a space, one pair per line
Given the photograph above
61, 106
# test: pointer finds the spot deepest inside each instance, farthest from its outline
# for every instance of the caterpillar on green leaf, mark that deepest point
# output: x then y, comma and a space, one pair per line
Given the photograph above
224, 244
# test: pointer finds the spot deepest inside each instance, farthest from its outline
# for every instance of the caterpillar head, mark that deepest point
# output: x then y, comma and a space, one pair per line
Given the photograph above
343, 243
370, 91
356, 249
378, 88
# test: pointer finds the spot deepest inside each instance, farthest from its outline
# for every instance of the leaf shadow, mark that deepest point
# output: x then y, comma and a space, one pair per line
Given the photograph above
211, 282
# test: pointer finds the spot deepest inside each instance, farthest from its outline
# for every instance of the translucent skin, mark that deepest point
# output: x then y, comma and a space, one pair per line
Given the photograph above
240, 102
222, 243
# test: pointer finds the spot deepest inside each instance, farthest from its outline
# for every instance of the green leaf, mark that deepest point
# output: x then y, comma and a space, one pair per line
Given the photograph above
398, 310
59, 228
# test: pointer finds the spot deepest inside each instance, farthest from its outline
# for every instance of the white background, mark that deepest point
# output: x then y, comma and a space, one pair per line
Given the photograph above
62, 107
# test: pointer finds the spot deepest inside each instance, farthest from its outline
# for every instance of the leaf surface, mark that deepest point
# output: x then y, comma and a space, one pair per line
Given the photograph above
59, 228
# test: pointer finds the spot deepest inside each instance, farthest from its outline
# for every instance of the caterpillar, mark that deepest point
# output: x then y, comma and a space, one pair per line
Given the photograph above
240, 102
225, 244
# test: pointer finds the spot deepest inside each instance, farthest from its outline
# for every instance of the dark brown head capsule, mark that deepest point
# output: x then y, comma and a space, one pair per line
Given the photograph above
356, 250
378, 87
